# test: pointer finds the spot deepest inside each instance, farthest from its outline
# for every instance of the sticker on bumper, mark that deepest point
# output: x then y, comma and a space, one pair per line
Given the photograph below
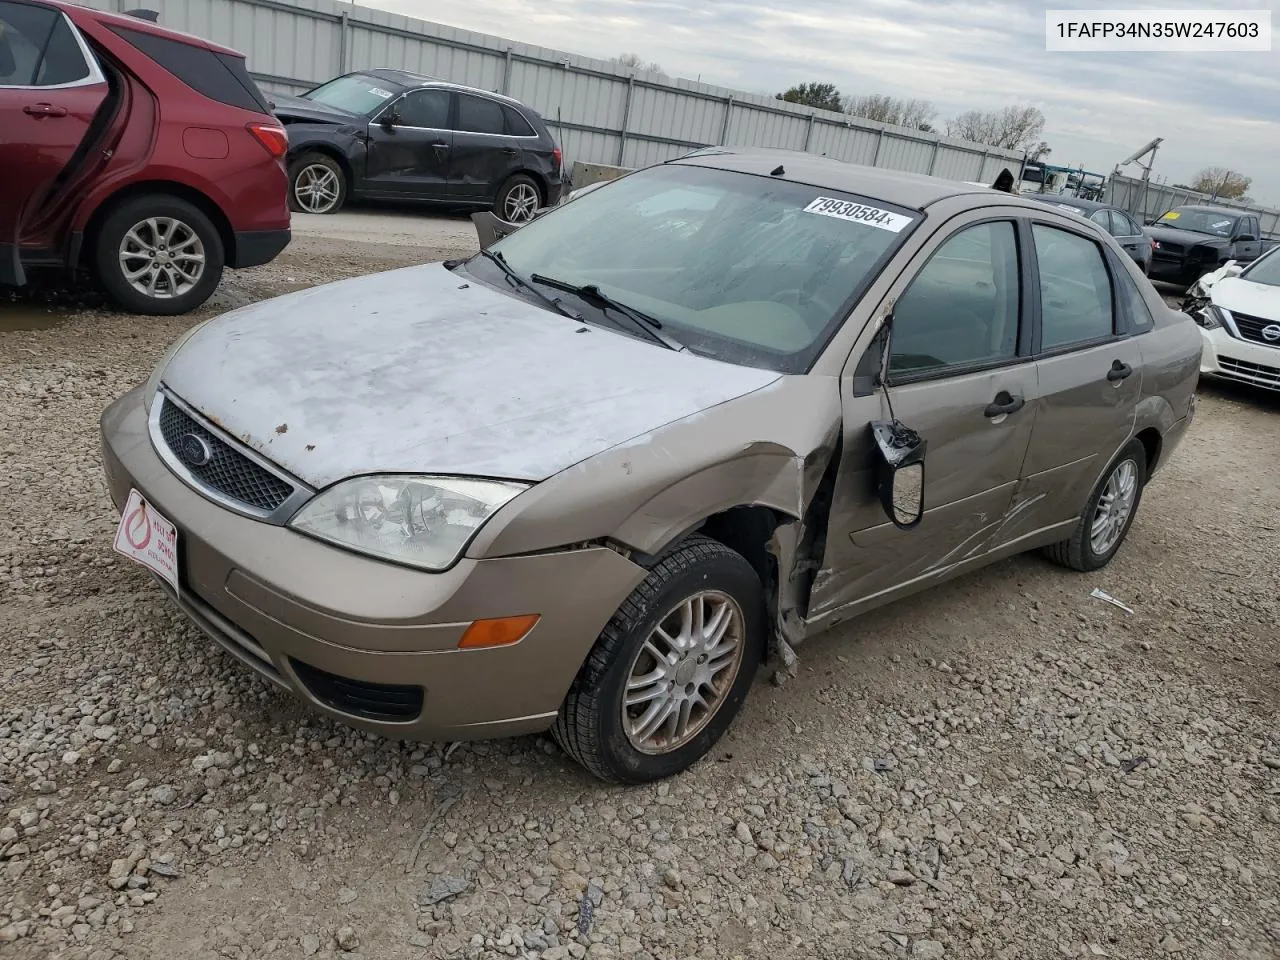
146, 537
858, 213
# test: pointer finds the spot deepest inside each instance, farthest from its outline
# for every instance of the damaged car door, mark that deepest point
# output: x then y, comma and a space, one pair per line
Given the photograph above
958, 374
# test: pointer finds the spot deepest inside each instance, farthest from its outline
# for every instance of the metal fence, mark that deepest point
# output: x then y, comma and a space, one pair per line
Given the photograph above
602, 113
1148, 200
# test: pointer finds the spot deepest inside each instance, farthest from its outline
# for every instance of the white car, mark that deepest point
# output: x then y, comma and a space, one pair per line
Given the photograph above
1238, 310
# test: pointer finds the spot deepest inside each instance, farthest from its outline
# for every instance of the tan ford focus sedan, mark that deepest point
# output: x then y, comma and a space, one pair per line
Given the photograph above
589, 479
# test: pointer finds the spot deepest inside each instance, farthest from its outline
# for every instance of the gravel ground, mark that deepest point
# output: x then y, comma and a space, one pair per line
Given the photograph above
1000, 768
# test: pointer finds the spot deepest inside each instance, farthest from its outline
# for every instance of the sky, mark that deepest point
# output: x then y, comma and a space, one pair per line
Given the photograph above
1212, 109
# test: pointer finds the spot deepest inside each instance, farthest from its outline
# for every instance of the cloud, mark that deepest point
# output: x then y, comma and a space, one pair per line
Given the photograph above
1211, 108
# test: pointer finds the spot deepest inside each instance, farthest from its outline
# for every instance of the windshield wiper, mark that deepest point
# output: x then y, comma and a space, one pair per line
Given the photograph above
649, 326
521, 283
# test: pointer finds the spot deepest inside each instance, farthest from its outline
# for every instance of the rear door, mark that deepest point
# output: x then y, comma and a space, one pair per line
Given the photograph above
485, 153
50, 90
1090, 375
960, 374
409, 158
1129, 235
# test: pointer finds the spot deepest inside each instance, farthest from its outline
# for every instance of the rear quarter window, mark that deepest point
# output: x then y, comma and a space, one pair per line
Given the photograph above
217, 76
517, 126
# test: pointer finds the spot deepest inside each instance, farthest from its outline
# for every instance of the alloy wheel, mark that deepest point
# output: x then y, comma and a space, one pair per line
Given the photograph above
316, 188
683, 672
520, 204
1114, 507
162, 257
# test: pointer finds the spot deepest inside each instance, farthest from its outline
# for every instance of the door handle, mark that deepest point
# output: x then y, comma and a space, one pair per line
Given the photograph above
1004, 404
511, 151
1119, 370
440, 147
44, 110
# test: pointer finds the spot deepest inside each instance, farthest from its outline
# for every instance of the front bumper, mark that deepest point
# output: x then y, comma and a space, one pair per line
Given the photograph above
1225, 356
253, 248
371, 643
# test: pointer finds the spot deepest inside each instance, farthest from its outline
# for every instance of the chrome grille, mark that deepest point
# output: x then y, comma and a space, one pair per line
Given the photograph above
228, 472
1251, 328
1256, 373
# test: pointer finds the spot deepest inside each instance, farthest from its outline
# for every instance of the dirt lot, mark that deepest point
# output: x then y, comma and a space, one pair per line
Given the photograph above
1002, 768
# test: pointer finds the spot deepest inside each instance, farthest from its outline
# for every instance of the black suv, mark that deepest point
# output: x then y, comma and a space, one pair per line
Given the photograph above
392, 135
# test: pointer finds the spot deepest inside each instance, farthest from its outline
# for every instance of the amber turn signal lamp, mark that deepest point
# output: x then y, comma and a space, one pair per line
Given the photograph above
499, 632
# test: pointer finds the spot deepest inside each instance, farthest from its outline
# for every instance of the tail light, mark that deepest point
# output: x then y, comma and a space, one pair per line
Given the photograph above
557, 157
272, 137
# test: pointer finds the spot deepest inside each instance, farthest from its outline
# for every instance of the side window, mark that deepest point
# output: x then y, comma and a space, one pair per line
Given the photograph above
1132, 302
1075, 289
1127, 226
25, 31
962, 307
478, 115
517, 126
217, 76
63, 62
1103, 219
425, 108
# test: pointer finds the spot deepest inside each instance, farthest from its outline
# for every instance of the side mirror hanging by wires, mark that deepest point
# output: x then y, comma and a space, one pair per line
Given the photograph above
899, 453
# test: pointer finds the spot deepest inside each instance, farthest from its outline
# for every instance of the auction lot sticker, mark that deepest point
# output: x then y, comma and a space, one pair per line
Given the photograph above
858, 213
148, 538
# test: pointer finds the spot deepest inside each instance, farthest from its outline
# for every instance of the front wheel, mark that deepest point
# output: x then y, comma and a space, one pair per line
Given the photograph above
670, 670
158, 255
1108, 515
316, 184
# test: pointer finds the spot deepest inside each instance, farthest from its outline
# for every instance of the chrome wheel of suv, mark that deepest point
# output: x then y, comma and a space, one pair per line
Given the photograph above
316, 188
162, 257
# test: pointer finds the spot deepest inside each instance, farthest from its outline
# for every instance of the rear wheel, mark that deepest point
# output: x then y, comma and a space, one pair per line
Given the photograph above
518, 200
1108, 515
159, 255
316, 184
670, 670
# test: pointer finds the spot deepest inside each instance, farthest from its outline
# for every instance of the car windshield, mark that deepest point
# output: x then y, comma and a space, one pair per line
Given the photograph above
1200, 221
355, 94
749, 269
1265, 270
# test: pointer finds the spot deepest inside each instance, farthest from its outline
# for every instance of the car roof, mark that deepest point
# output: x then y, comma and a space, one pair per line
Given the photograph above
416, 80
1090, 205
911, 190
107, 17
1209, 208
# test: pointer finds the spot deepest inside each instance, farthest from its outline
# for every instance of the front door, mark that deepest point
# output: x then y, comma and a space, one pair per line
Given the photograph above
50, 92
1090, 373
485, 154
411, 148
960, 375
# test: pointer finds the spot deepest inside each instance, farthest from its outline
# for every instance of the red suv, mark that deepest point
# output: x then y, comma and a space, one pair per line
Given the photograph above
145, 155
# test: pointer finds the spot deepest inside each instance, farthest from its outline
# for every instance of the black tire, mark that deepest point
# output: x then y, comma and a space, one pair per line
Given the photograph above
310, 163
518, 187
110, 255
1078, 553
590, 729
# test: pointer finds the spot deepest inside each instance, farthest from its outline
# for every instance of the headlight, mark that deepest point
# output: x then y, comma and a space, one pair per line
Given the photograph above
423, 522
153, 381
1210, 316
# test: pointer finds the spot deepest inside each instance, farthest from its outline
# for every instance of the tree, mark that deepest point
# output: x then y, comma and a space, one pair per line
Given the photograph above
633, 61
1039, 152
1222, 182
915, 114
1013, 128
824, 96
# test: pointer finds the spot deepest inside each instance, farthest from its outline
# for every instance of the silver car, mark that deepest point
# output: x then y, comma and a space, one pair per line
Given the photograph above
590, 478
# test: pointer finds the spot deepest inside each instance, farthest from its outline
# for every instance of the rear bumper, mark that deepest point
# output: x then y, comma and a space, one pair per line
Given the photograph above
1222, 355
341, 631
256, 247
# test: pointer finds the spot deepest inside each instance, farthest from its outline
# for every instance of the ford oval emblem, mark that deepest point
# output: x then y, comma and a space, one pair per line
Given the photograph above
194, 450
1271, 333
